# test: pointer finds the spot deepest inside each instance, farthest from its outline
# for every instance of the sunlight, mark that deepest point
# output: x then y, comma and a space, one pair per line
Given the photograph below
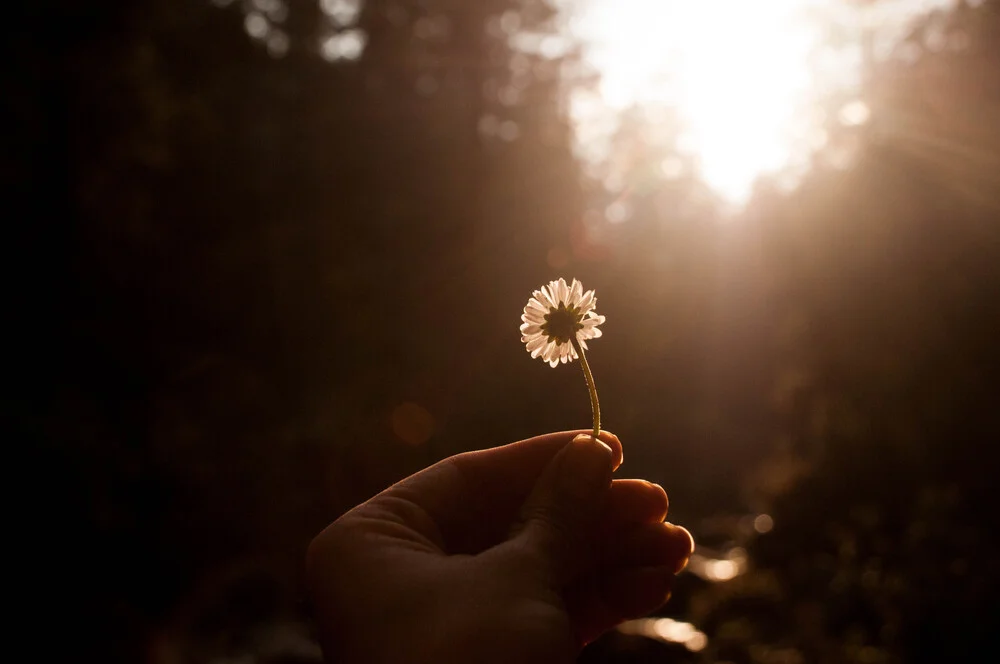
738, 82
745, 80
742, 90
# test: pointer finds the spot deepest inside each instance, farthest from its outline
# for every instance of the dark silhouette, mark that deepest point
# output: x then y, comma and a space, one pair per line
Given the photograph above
256, 280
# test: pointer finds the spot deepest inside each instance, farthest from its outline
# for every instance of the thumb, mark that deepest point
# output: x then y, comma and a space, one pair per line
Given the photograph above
564, 505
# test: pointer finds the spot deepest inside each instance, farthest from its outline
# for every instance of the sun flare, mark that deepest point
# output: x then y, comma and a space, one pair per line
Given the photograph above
745, 80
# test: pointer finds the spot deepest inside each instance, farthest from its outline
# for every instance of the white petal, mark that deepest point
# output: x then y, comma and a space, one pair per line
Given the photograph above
549, 351
548, 298
575, 293
553, 363
534, 304
535, 342
587, 302
564, 290
552, 288
531, 329
532, 318
541, 298
533, 314
556, 291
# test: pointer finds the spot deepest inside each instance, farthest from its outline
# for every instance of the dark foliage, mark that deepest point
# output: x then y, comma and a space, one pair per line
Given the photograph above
248, 291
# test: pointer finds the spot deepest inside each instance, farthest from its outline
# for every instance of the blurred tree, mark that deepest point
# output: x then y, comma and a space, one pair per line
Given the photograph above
889, 277
257, 228
260, 227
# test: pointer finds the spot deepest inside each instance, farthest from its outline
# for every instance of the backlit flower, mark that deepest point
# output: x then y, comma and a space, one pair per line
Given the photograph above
557, 314
558, 320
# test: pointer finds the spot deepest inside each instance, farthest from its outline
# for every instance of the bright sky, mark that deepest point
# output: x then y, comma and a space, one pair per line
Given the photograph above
745, 78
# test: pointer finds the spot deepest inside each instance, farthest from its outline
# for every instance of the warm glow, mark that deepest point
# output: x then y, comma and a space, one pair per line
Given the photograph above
745, 79
721, 570
668, 631
714, 569
763, 523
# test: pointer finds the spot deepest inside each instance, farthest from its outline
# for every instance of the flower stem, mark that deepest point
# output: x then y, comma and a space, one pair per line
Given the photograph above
595, 405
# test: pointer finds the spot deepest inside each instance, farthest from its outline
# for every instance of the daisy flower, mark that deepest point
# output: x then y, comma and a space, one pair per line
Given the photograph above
558, 320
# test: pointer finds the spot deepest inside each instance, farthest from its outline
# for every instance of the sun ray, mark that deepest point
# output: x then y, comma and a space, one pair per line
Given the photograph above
747, 80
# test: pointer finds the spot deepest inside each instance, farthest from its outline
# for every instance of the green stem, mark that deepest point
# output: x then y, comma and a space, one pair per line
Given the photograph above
595, 405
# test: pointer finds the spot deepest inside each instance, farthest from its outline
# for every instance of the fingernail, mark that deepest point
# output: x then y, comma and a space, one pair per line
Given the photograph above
682, 546
585, 468
617, 440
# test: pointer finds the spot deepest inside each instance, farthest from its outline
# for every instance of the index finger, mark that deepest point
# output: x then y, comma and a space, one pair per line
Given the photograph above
529, 456
473, 498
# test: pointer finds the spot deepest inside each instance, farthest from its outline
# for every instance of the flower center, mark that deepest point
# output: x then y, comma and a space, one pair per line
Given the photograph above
561, 324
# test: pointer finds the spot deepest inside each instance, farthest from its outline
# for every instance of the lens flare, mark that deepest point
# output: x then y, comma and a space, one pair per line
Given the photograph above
746, 81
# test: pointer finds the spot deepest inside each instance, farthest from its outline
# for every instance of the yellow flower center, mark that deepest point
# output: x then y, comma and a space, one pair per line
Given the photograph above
561, 324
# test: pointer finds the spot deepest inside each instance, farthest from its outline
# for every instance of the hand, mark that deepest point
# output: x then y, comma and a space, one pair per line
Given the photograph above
522, 553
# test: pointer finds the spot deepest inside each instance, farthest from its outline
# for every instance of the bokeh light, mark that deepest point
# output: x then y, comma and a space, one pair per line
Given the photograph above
256, 25
347, 45
667, 630
412, 423
763, 523
341, 12
278, 43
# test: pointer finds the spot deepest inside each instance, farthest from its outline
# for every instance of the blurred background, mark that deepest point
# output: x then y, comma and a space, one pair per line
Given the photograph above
270, 256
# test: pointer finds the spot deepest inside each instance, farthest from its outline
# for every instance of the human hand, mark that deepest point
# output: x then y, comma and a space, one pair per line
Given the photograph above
520, 553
